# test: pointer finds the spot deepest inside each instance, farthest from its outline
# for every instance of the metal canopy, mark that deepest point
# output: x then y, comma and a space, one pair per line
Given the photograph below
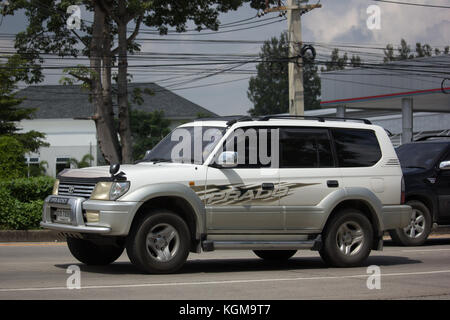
383, 86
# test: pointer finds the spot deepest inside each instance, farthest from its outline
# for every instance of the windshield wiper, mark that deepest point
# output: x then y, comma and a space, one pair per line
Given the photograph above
158, 160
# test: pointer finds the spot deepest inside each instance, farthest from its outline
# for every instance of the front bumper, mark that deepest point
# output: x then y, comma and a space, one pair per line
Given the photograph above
397, 216
115, 217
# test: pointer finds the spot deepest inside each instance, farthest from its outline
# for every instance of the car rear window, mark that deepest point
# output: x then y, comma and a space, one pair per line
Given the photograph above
356, 147
305, 148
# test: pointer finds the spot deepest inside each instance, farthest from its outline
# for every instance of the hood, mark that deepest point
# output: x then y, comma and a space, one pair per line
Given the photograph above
138, 174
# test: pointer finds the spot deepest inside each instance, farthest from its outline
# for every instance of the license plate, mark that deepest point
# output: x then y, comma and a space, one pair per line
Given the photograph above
62, 215
58, 200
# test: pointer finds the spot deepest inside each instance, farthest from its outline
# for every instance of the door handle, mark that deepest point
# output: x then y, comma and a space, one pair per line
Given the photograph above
268, 186
332, 183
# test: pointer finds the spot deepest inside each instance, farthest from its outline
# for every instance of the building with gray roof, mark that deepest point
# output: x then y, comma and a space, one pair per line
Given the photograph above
63, 113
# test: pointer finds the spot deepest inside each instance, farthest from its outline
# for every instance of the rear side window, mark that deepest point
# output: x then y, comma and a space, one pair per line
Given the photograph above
305, 148
356, 148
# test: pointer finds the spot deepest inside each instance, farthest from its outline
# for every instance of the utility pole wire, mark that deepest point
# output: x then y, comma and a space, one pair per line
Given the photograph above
296, 88
414, 4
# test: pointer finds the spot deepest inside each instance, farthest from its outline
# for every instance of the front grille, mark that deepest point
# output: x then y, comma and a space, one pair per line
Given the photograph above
78, 190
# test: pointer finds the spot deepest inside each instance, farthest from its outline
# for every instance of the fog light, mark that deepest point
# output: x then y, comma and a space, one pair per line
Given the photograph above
55, 187
92, 216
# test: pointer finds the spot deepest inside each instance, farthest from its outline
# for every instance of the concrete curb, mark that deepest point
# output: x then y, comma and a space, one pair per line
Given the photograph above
29, 236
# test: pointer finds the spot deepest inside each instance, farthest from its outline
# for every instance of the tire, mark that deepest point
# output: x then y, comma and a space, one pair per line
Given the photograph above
347, 239
159, 242
417, 232
91, 253
275, 255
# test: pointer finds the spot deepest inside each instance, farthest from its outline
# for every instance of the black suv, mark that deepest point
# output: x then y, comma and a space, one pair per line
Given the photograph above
426, 170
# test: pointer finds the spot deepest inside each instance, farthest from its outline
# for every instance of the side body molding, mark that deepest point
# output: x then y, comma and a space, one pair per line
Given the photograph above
353, 193
156, 190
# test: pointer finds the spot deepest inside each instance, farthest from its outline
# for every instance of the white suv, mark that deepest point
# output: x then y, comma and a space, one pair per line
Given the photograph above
274, 185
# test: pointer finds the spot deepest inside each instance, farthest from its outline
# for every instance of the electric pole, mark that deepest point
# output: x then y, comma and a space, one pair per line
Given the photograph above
294, 12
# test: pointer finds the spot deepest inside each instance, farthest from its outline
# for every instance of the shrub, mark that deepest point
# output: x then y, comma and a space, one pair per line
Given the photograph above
21, 202
29, 189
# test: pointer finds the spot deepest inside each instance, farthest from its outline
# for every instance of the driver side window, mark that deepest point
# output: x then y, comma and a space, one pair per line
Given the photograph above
253, 145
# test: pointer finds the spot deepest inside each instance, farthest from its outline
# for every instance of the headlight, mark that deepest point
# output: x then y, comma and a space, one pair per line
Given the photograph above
55, 187
109, 190
118, 189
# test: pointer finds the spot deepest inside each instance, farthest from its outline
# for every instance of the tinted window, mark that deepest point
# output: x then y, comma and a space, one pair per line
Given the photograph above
305, 148
356, 148
247, 142
192, 145
420, 155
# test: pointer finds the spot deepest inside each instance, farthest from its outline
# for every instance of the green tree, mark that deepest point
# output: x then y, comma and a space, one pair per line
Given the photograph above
337, 62
404, 51
107, 43
269, 89
12, 160
83, 163
10, 74
147, 128
38, 170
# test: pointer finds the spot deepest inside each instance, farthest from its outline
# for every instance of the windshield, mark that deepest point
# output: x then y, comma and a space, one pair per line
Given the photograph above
186, 145
419, 155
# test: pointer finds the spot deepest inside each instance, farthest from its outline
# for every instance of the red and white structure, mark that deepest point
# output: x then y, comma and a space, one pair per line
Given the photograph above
415, 85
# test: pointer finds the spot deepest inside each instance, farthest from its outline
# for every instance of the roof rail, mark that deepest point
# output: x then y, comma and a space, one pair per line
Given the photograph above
319, 118
431, 137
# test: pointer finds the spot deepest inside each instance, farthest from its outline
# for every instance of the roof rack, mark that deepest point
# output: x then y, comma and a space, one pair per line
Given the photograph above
319, 118
230, 119
431, 137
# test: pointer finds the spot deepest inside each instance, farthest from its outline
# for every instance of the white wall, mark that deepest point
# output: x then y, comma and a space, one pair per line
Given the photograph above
67, 138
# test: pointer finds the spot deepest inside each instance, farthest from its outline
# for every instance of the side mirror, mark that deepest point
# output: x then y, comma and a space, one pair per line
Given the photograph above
114, 168
147, 153
444, 165
227, 159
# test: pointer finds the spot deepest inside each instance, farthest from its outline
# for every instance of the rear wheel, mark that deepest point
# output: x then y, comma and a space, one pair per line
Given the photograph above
418, 229
159, 242
91, 253
347, 239
275, 254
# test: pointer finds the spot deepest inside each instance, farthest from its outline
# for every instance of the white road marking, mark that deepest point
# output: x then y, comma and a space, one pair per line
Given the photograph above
143, 285
419, 250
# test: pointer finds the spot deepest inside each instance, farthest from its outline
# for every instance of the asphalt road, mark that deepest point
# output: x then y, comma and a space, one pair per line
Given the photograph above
38, 271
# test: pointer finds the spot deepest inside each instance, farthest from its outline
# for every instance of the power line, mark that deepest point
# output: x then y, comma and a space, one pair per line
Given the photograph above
414, 4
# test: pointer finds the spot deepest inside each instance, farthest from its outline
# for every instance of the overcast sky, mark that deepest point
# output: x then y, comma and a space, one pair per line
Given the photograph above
337, 22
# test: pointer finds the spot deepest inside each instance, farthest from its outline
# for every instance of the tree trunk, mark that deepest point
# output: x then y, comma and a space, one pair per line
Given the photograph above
106, 133
122, 87
107, 88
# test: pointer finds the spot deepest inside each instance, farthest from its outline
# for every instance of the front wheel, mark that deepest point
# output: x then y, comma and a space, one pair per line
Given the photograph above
347, 239
91, 253
159, 242
418, 229
275, 255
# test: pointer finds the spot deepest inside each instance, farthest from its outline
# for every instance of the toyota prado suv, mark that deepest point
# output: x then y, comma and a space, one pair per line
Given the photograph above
274, 185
